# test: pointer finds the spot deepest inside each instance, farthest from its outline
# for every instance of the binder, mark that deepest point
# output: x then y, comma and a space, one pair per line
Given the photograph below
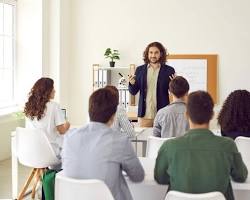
100, 82
96, 78
104, 77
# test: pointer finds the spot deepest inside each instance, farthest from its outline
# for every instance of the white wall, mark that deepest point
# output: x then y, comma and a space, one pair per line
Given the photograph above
29, 45
56, 46
189, 27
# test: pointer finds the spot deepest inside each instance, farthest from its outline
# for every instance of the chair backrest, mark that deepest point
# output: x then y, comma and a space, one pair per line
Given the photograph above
175, 195
34, 149
153, 145
243, 145
69, 188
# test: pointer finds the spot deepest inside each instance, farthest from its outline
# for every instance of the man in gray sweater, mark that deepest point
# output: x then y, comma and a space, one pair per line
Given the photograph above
171, 121
96, 151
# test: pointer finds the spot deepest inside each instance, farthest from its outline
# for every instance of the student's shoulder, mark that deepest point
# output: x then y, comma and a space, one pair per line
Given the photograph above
119, 137
164, 111
170, 145
226, 143
75, 133
176, 142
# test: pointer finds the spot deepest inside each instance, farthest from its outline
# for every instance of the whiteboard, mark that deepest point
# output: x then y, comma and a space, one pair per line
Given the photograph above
194, 70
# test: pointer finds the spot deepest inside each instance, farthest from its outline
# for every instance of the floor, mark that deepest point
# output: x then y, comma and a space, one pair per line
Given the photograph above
5, 178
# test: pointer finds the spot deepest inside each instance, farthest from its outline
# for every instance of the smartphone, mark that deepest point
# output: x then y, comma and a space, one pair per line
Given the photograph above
64, 113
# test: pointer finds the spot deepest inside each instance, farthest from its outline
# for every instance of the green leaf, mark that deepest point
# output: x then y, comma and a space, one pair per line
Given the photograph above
112, 54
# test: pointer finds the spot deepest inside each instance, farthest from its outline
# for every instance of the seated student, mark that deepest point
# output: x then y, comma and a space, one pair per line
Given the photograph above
234, 117
171, 120
121, 122
96, 151
200, 161
43, 113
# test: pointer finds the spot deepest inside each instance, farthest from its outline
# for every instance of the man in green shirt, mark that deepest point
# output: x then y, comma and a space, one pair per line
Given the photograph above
199, 161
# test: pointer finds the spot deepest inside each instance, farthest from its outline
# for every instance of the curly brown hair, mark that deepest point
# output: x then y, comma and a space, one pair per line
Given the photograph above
38, 97
235, 112
159, 46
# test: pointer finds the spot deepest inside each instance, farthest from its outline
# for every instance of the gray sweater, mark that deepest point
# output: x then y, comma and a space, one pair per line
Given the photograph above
171, 121
95, 151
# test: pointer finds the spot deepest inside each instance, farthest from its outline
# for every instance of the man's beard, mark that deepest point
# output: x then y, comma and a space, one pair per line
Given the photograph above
154, 60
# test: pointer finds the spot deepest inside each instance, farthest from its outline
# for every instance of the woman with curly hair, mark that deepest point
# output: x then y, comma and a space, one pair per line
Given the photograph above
234, 117
42, 113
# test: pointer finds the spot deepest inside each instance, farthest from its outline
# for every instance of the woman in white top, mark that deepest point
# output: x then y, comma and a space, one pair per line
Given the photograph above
42, 113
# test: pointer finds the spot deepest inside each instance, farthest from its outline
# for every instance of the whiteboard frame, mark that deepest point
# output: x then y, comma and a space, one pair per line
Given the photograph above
212, 86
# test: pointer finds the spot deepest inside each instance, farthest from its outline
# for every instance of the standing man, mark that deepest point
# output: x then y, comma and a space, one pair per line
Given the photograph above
152, 80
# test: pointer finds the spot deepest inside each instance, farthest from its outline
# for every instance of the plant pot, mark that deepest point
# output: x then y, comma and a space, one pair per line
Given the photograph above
111, 63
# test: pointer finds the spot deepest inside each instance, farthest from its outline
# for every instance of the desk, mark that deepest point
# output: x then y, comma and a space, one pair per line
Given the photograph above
132, 116
149, 189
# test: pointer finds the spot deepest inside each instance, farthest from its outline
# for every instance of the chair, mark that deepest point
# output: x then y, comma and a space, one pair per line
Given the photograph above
175, 195
142, 136
154, 144
34, 150
243, 145
70, 188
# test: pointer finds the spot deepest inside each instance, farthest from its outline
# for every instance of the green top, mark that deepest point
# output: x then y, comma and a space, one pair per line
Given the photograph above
200, 162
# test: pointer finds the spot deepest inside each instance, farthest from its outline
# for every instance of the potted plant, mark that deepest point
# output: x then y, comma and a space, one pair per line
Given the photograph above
113, 55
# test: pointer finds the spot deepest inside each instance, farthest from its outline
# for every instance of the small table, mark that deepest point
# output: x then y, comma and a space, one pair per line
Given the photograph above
132, 116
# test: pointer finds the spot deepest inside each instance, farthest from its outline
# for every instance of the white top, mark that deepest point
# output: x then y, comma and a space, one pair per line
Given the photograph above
53, 117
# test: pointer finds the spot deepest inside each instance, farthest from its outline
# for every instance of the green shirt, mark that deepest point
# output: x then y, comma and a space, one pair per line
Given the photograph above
200, 162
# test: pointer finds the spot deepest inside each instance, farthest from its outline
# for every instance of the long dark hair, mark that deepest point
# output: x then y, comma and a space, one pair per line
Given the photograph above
158, 45
235, 112
38, 97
